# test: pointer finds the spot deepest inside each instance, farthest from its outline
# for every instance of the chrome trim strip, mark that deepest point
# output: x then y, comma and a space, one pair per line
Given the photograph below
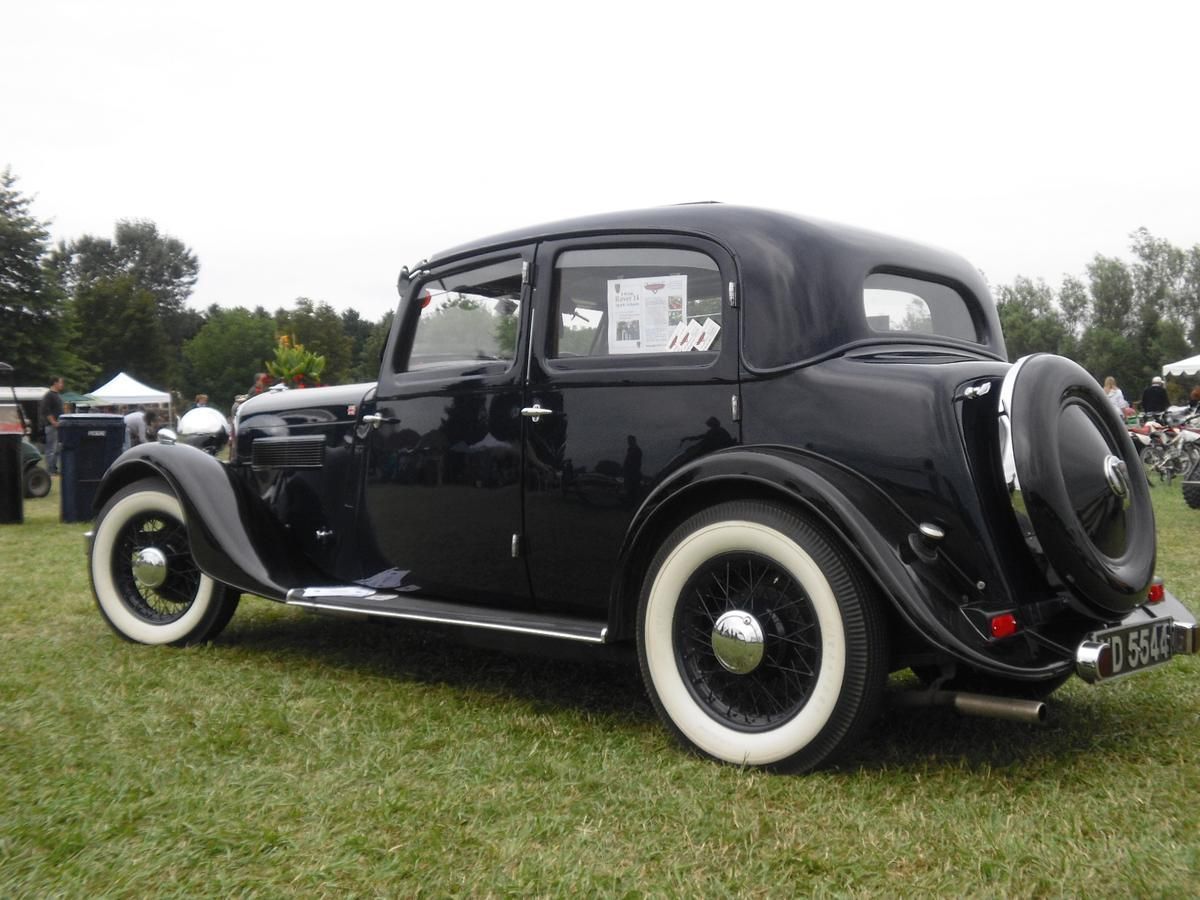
1004, 418
348, 591
442, 620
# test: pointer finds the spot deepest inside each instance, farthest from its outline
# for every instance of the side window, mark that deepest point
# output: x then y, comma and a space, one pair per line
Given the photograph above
897, 303
632, 301
468, 317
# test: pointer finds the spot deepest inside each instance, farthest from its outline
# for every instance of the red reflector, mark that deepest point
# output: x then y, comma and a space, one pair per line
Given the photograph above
1004, 625
1157, 592
1104, 663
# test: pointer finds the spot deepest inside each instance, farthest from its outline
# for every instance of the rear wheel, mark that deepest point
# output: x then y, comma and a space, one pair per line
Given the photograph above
1191, 487
760, 640
146, 583
1149, 457
37, 482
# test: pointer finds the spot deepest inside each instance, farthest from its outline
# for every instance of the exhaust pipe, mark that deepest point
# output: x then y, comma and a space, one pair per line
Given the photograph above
1008, 708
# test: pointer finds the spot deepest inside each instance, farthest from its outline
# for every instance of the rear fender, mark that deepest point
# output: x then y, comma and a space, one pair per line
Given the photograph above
927, 590
234, 538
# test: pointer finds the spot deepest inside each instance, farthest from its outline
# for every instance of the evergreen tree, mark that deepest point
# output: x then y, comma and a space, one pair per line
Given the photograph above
32, 327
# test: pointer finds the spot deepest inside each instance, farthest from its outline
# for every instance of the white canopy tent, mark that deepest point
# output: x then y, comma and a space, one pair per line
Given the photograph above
129, 391
1189, 366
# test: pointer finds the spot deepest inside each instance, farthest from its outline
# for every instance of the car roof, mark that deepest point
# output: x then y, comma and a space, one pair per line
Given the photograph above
810, 271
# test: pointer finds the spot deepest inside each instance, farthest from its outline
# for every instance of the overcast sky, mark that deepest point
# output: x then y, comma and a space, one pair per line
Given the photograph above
312, 149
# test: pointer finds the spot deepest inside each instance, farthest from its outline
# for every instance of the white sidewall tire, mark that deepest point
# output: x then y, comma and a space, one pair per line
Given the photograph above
696, 725
109, 597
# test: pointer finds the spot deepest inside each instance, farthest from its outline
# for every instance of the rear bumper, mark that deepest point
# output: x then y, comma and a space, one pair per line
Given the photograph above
1092, 657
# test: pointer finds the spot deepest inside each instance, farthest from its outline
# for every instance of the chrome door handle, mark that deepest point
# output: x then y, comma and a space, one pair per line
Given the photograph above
373, 419
535, 412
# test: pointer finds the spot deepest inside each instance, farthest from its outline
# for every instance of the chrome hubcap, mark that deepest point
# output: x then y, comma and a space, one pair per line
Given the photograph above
737, 641
150, 567
1116, 475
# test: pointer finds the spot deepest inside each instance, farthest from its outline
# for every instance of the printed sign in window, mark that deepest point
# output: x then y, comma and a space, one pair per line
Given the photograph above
643, 313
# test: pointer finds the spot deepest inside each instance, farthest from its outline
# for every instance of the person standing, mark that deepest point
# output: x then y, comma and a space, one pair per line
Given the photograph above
1154, 398
135, 428
49, 410
1115, 395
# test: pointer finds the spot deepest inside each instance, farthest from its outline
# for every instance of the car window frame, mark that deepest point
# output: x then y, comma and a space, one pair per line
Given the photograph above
623, 365
401, 343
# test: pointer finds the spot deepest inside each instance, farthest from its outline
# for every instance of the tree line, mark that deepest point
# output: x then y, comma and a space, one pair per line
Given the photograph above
1125, 319
91, 307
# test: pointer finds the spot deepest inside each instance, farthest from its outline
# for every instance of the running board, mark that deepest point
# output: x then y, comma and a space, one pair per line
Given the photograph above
366, 601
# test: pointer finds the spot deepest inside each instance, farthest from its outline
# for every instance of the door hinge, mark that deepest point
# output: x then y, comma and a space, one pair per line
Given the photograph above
733, 295
526, 272
735, 408
516, 546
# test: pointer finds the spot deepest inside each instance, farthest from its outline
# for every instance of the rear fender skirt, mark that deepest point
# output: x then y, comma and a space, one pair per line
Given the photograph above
875, 529
234, 538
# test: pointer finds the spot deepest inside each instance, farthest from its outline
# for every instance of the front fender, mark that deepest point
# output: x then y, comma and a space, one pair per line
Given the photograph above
234, 539
928, 590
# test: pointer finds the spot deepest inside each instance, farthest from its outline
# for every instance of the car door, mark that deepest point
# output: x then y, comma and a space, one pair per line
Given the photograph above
634, 372
443, 473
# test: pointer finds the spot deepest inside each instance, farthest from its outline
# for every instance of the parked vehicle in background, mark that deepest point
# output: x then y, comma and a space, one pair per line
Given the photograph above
1191, 487
1166, 451
29, 399
632, 429
35, 478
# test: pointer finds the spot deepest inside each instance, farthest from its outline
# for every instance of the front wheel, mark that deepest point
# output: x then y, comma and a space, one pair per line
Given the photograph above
761, 642
146, 583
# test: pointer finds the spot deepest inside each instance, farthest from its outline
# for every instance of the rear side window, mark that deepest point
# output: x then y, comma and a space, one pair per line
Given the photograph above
631, 301
904, 305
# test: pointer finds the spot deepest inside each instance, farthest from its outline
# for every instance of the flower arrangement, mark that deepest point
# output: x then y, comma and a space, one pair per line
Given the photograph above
294, 366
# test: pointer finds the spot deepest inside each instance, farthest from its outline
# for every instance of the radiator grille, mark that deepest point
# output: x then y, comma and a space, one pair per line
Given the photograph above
306, 452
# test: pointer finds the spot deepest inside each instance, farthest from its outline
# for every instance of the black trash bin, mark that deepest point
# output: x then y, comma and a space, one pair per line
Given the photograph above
12, 470
88, 443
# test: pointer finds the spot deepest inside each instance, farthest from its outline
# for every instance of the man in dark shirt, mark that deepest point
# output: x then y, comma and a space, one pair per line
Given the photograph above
49, 410
1154, 398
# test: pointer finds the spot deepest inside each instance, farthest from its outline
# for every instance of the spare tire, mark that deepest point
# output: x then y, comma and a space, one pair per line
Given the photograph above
1074, 473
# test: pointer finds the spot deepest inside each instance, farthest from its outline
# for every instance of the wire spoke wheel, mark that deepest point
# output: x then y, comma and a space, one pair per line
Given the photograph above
167, 601
147, 584
749, 600
760, 640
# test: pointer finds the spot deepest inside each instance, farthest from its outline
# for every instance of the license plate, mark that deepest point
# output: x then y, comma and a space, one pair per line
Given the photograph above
1140, 646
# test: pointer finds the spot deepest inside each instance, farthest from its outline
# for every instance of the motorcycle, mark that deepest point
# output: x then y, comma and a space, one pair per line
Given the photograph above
1167, 451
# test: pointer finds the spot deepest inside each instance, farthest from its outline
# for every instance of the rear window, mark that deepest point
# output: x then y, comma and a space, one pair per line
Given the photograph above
899, 304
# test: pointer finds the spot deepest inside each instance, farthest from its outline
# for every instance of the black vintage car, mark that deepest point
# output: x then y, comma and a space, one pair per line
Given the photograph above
781, 458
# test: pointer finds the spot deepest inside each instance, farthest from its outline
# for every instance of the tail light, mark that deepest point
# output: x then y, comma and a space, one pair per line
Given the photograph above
1004, 625
1157, 592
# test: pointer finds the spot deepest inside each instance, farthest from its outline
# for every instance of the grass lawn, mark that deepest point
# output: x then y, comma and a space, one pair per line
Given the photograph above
301, 755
